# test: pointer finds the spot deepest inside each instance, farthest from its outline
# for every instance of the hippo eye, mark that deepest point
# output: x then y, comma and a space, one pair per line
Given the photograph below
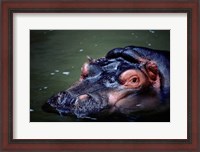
135, 80
132, 78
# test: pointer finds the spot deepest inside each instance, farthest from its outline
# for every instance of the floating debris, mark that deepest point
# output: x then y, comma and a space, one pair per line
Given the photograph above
52, 73
81, 50
40, 89
45, 87
66, 73
31, 110
132, 33
95, 45
72, 67
56, 70
149, 44
151, 31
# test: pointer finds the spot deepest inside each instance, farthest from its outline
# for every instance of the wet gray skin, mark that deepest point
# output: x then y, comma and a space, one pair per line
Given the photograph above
90, 96
102, 78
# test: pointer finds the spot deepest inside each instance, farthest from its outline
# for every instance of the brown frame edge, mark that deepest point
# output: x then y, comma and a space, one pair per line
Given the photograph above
10, 7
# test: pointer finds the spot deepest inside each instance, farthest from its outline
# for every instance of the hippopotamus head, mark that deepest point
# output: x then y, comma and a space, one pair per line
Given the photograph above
127, 80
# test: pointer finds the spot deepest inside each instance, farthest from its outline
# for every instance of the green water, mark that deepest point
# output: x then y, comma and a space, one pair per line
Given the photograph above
56, 57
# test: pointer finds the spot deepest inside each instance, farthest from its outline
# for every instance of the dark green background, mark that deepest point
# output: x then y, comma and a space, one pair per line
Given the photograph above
66, 51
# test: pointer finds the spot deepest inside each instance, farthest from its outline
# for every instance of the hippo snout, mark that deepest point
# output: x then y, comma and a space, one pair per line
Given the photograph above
61, 103
63, 99
81, 105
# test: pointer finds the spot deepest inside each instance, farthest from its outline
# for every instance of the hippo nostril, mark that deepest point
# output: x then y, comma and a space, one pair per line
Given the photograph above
72, 101
68, 99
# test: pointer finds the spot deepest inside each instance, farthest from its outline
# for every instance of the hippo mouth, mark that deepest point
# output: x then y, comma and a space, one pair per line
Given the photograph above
83, 106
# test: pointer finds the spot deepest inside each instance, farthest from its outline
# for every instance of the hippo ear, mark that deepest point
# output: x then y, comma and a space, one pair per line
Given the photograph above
114, 53
152, 70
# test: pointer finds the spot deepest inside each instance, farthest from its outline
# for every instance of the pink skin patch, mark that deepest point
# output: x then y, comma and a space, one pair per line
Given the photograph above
84, 71
152, 71
120, 100
83, 97
113, 97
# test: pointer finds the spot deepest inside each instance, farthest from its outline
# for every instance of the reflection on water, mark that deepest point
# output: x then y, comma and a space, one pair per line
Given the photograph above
56, 57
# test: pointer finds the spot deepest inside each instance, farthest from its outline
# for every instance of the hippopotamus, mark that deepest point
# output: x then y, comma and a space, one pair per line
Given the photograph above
131, 82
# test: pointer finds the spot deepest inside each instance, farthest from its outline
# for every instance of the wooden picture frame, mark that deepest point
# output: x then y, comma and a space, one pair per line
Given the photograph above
191, 7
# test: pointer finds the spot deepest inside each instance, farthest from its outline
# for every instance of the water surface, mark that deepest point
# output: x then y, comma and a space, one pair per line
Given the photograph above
56, 57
